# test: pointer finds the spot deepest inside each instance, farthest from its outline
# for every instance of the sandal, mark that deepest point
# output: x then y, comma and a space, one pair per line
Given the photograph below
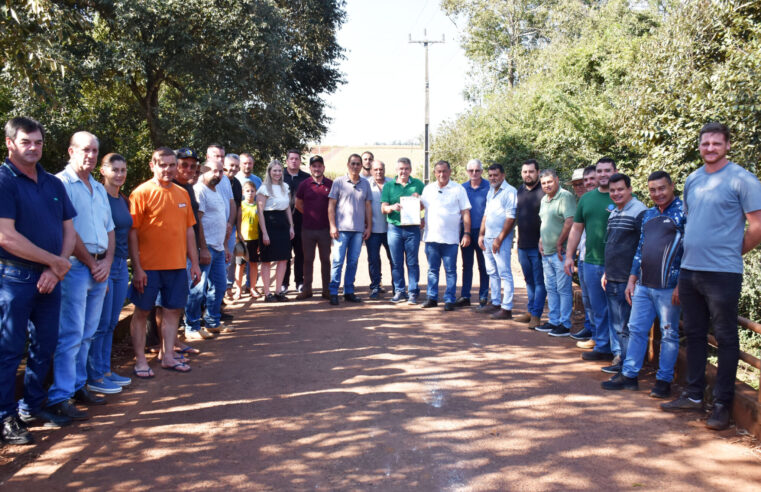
187, 350
179, 367
143, 373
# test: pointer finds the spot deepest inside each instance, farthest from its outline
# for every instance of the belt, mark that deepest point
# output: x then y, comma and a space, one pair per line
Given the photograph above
98, 256
22, 264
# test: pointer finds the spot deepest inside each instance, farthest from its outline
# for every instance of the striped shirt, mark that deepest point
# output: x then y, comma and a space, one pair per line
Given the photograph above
659, 252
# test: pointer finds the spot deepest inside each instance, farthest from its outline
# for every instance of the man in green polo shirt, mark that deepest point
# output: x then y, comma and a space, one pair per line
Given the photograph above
556, 211
403, 240
592, 214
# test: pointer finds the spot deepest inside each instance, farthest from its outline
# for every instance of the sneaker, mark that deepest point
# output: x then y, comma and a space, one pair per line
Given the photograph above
202, 334
546, 328
615, 366
352, 298
105, 386
586, 344
487, 309
14, 431
560, 331
333, 300
620, 382
662, 389
281, 297
214, 329
522, 318
226, 317
594, 355
582, 335
462, 302
412, 299
52, 421
116, 379
502, 314
67, 409
449, 306
683, 404
84, 396
399, 297
719, 418
429, 303
300, 288
375, 294
270, 298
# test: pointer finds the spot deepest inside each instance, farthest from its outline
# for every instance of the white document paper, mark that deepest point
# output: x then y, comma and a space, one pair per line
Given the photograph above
410, 210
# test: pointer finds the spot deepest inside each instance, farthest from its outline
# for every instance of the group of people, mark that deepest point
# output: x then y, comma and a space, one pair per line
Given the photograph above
197, 231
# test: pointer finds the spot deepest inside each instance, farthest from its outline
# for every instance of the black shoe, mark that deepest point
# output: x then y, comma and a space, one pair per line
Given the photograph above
719, 419
662, 389
462, 302
546, 328
226, 317
281, 298
615, 367
14, 431
429, 303
333, 300
352, 298
84, 396
594, 355
449, 306
52, 420
682, 404
67, 409
620, 382
375, 294
582, 335
270, 298
559, 331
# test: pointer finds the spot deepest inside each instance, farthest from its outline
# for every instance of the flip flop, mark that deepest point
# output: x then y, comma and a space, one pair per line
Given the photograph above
143, 373
176, 367
188, 350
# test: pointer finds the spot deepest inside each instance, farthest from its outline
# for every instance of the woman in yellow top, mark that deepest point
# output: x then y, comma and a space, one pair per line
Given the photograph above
248, 232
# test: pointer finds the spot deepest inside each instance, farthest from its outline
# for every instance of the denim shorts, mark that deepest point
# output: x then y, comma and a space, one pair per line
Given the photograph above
171, 284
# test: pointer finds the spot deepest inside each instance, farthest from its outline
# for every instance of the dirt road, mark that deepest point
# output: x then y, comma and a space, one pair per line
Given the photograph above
381, 397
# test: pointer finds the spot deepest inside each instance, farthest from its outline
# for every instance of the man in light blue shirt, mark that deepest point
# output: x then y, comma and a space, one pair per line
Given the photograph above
495, 238
84, 287
719, 198
476, 187
379, 229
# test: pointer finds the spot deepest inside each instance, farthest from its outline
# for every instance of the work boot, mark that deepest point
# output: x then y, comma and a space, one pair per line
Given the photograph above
502, 314
534, 322
719, 419
523, 318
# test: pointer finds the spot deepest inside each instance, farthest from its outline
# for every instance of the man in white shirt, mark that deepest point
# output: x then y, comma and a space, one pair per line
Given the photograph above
445, 203
496, 240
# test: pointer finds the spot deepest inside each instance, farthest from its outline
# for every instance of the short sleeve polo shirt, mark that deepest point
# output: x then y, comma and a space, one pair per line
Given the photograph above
315, 198
37, 209
394, 190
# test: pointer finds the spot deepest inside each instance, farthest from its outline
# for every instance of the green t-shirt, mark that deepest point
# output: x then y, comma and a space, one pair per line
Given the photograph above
393, 191
593, 211
554, 214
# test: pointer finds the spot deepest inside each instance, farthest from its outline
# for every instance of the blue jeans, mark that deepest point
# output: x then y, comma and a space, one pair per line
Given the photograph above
23, 309
99, 360
216, 285
404, 242
230, 267
373, 244
438, 253
599, 301
348, 245
559, 291
81, 305
500, 274
618, 317
531, 264
588, 314
647, 303
194, 305
467, 268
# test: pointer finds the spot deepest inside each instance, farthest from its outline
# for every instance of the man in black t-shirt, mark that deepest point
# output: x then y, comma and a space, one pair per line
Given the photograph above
293, 175
529, 199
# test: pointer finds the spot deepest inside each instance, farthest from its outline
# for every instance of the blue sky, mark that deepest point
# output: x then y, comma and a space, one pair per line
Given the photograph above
383, 97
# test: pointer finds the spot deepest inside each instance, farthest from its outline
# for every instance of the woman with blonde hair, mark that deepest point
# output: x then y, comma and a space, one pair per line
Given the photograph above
276, 226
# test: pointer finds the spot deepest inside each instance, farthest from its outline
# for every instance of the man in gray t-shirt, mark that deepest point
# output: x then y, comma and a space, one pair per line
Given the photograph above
350, 214
718, 199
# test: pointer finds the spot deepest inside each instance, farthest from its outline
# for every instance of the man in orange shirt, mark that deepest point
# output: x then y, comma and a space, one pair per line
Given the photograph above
161, 239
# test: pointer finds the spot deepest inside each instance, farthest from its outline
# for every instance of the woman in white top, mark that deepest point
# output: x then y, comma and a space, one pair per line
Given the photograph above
276, 225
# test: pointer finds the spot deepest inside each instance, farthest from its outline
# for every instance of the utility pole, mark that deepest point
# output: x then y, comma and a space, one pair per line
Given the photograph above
425, 43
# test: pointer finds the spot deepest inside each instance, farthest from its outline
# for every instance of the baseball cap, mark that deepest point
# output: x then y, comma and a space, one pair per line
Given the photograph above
577, 174
316, 158
185, 153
